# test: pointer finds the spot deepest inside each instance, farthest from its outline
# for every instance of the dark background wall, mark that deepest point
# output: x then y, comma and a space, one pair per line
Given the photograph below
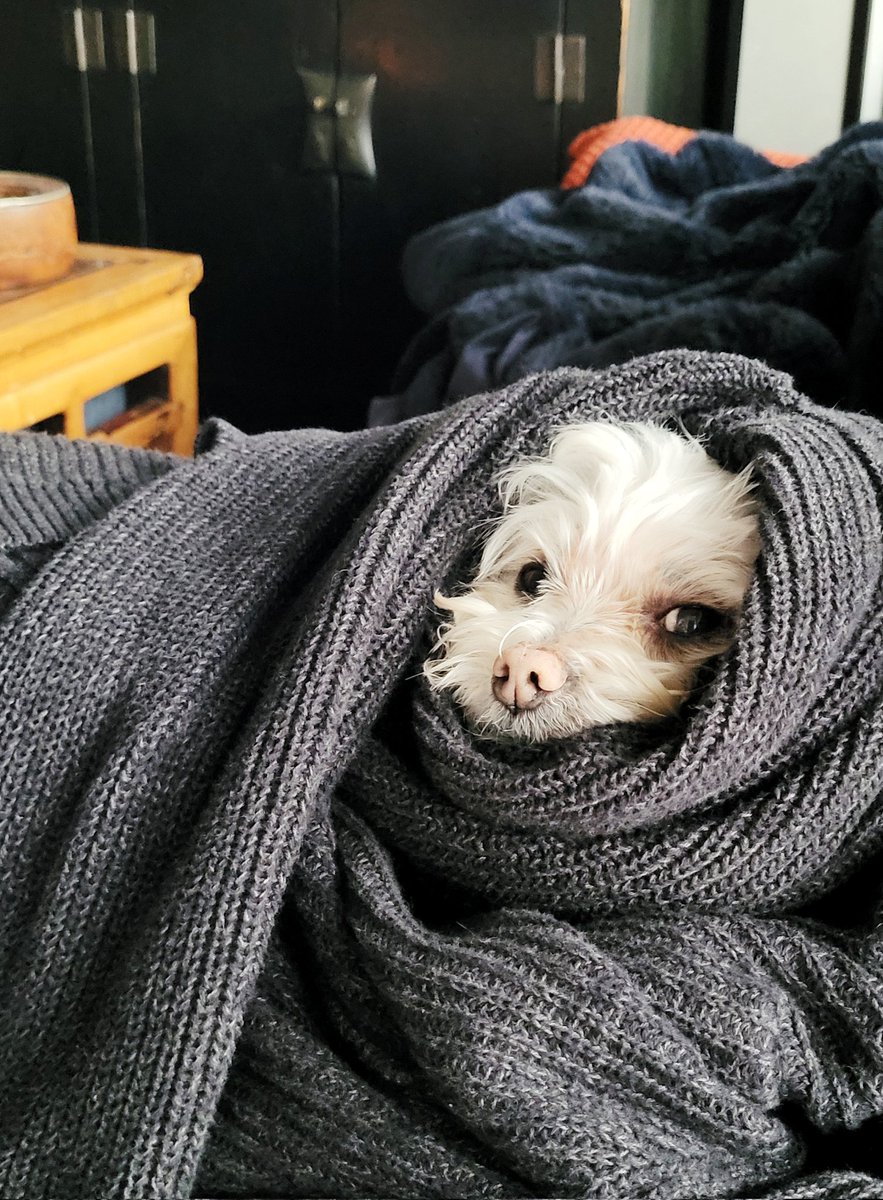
243, 132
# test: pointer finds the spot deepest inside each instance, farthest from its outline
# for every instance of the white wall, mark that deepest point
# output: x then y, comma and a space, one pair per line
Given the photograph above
872, 81
635, 63
792, 73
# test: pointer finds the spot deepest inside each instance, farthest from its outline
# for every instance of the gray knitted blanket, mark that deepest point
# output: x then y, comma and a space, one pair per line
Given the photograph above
273, 924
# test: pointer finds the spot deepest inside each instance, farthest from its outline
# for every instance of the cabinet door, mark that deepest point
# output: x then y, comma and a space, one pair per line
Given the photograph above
302, 313
223, 125
114, 115
456, 126
44, 124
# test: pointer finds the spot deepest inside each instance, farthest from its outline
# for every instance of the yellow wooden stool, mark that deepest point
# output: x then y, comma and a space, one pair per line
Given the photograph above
107, 352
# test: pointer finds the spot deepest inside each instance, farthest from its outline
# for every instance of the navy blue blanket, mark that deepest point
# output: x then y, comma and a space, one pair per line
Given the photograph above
713, 249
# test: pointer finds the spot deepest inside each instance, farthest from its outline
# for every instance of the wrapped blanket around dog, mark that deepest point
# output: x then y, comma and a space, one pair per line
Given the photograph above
713, 248
274, 923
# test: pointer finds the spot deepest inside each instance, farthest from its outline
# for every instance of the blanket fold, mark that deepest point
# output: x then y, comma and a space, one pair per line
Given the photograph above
714, 248
274, 922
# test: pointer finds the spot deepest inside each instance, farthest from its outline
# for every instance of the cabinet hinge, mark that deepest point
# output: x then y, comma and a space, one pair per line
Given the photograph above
83, 39
133, 40
560, 68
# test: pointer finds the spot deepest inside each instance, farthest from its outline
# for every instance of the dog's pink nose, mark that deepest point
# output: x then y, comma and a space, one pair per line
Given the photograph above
524, 675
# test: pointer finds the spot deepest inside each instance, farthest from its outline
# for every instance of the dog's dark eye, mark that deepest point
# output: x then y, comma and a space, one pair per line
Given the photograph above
530, 577
693, 620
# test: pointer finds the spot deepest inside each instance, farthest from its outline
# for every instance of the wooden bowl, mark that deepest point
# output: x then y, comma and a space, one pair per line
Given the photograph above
38, 229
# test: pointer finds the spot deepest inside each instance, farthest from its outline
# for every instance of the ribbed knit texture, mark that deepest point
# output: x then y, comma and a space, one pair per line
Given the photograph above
273, 923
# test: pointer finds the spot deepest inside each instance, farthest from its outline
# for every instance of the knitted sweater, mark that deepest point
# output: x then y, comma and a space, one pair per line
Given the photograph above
274, 923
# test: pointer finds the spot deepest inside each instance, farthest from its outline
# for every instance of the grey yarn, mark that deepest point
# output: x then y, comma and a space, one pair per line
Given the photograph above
273, 923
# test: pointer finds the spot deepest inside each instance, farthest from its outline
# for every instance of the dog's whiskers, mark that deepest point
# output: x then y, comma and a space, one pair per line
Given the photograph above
508, 634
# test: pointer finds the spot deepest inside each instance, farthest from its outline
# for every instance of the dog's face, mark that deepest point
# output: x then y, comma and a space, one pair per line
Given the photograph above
619, 566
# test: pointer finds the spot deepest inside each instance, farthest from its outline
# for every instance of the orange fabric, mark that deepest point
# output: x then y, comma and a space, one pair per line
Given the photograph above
588, 146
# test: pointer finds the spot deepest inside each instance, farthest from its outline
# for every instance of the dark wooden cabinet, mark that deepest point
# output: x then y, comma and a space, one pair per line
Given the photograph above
224, 123
245, 133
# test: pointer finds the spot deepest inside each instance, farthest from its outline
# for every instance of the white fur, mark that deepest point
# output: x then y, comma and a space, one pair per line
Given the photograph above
631, 521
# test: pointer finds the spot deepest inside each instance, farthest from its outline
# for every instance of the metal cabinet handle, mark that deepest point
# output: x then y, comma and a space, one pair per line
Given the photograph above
339, 136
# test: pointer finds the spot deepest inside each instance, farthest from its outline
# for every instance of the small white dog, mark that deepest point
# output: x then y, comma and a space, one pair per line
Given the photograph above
619, 565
